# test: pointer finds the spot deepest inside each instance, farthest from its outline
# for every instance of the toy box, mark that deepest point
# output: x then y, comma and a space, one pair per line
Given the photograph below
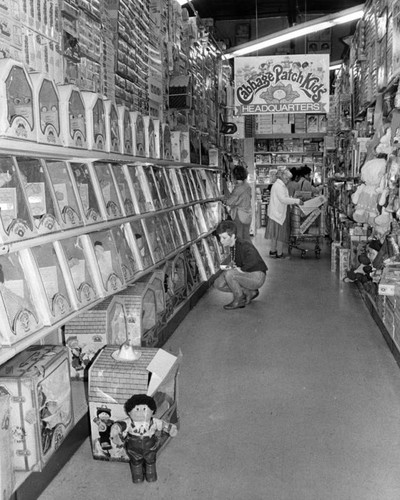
113, 381
73, 117
16, 96
96, 120
84, 185
19, 315
49, 286
79, 267
137, 237
125, 130
47, 109
105, 186
87, 333
138, 134
7, 476
41, 404
125, 188
65, 197
113, 137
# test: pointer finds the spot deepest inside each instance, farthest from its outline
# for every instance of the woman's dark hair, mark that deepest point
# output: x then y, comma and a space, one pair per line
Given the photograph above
305, 171
240, 173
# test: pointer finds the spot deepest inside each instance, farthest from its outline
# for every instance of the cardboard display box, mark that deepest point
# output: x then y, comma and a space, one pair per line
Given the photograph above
112, 382
41, 403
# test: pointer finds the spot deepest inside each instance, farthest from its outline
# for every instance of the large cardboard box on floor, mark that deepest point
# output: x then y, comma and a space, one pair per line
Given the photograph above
113, 380
38, 382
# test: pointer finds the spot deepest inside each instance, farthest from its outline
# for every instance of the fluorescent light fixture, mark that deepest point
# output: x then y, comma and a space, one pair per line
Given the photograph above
182, 2
319, 24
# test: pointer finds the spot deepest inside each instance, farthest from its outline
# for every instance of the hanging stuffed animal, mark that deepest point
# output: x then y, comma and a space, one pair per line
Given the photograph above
366, 196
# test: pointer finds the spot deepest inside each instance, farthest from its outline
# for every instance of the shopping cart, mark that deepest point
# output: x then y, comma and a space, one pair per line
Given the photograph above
307, 225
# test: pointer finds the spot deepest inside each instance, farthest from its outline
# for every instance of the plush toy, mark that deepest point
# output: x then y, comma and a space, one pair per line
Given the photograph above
140, 434
385, 146
366, 196
363, 273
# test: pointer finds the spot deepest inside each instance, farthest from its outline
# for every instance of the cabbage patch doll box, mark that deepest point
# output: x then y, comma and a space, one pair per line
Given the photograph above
38, 382
114, 377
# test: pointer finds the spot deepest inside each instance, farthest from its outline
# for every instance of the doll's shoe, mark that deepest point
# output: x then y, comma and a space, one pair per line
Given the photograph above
151, 473
279, 256
137, 473
251, 296
272, 254
236, 304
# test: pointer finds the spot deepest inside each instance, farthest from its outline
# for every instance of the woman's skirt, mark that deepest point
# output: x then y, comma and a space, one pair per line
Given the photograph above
278, 232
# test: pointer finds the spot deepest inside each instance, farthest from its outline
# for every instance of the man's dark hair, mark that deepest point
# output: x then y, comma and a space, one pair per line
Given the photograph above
227, 226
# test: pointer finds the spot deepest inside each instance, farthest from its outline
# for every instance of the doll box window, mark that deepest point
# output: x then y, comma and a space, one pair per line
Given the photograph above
78, 262
48, 282
112, 382
41, 409
19, 316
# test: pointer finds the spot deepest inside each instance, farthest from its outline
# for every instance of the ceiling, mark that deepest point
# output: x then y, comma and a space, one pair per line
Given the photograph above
256, 9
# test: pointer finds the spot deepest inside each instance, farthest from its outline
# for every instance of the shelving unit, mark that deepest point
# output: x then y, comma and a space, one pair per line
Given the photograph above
272, 151
201, 200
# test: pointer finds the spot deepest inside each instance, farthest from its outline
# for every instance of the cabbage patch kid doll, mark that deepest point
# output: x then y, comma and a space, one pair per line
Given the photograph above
140, 435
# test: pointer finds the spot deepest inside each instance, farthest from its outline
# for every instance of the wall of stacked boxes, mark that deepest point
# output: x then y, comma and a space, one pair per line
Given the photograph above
110, 175
363, 164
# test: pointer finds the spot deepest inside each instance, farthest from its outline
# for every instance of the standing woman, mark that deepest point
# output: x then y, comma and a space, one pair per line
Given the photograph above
278, 228
239, 202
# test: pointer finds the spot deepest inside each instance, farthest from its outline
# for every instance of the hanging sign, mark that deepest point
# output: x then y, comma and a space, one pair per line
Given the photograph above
282, 84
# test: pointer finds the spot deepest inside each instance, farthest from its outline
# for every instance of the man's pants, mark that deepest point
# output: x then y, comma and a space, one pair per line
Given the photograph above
239, 282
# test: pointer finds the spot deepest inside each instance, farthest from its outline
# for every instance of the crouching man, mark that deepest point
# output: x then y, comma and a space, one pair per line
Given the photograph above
245, 273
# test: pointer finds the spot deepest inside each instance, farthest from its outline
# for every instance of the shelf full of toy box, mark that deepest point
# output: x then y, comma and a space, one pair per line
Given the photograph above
107, 221
8, 352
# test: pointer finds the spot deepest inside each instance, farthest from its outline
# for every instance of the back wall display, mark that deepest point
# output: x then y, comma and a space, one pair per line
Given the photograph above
282, 84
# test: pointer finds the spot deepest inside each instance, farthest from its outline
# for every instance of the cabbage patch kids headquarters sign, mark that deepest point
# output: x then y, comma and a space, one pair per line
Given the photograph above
282, 84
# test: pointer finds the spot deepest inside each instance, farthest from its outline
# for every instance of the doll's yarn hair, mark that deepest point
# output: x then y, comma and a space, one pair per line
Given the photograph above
140, 399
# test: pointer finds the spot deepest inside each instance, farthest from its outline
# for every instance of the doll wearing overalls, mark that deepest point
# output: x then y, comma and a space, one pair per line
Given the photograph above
141, 436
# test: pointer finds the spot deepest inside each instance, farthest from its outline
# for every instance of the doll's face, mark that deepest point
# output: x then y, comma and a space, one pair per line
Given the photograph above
140, 413
371, 254
103, 415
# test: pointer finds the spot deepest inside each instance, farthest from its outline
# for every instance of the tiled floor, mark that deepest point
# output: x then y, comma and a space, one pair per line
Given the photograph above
295, 397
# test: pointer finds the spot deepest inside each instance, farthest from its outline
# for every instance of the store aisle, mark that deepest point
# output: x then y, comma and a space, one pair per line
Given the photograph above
295, 397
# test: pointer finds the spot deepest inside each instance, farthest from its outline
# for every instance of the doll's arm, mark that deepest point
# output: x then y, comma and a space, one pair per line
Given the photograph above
356, 195
116, 432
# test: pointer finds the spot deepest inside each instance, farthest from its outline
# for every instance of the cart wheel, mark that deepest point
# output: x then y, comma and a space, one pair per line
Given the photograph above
303, 254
